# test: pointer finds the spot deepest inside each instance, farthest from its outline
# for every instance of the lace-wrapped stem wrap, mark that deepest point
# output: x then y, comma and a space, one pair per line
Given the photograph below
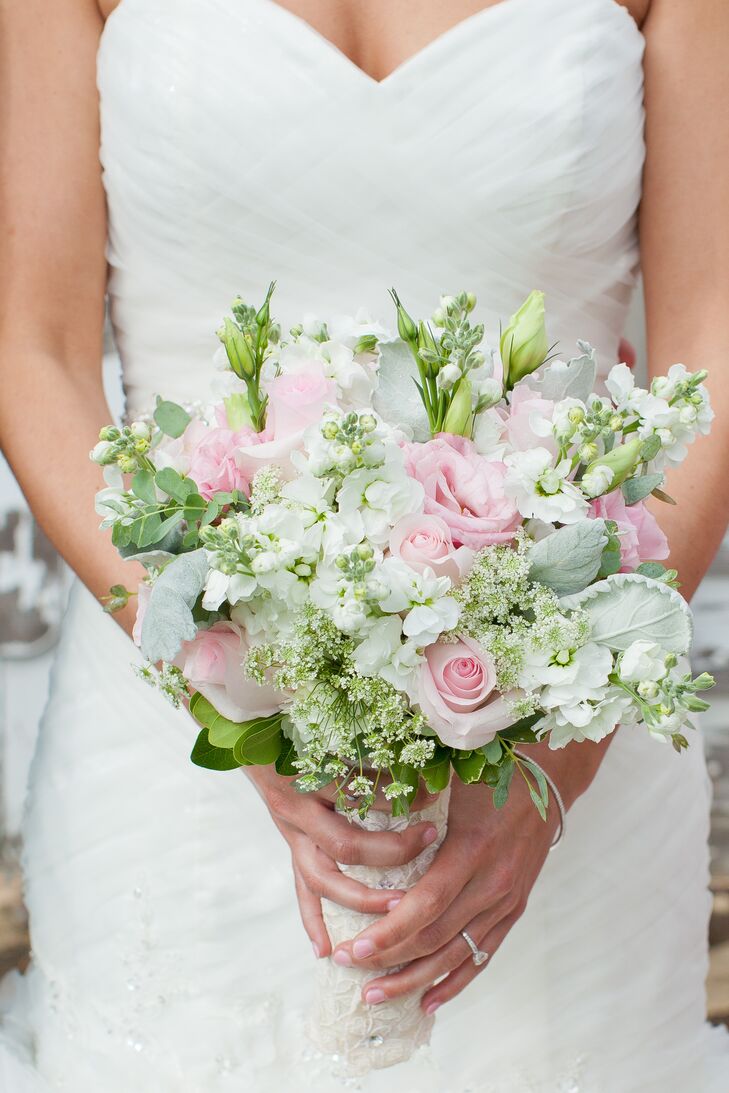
371, 1037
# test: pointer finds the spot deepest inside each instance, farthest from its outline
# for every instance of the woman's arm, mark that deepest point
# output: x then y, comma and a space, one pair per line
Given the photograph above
684, 228
489, 862
53, 276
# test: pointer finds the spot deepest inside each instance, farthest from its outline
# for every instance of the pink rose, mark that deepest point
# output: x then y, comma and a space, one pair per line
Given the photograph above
641, 539
526, 410
213, 465
425, 542
464, 489
296, 400
213, 664
455, 686
144, 591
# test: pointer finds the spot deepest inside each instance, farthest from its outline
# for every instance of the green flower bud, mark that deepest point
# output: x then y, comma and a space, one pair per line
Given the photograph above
109, 433
588, 452
364, 551
264, 312
329, 430
341, 561
238, 350
406, 327
622, 461
704, 682
524, 344
127, 464
671, 660
459, 417
615, 423
368, 423
470, 301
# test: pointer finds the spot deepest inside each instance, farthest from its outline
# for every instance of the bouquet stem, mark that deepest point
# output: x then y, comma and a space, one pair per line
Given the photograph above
371, 1037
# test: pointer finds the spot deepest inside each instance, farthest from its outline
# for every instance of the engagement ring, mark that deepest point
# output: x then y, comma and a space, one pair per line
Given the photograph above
477, 955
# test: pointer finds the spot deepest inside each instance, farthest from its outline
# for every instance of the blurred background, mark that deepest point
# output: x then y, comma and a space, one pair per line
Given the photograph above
33, 587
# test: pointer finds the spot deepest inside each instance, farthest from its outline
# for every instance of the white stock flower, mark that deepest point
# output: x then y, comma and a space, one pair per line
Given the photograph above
585, 720
643, 662
220, 587
430, 610
584, 675
542, 490
382, 495
384, 654
489, 434
448, 376
596, 481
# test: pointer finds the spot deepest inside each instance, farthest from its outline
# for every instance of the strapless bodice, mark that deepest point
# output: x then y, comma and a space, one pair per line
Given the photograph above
238, 145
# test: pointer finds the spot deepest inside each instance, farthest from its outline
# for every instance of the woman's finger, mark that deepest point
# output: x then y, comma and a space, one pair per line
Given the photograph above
322, 877
488, 940
311, 916
425, 903
348, 844
471, 903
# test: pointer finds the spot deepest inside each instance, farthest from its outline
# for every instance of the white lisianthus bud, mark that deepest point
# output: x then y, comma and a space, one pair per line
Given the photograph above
448, 376
101, 453
621, 462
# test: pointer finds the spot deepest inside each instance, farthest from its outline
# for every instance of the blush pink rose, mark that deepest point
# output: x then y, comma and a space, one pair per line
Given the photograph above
425, 542
526, 410
296, 400
641, 539
213, 664
144, 591
456, 693
213, 465
464, 489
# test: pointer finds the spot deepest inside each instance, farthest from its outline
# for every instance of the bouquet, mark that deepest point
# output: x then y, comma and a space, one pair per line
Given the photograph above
375, 559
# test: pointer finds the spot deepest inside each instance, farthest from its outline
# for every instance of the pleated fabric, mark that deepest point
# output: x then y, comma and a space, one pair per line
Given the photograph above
168, 955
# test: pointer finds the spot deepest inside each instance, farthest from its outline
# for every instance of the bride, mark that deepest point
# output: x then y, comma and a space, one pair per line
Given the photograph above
340, 147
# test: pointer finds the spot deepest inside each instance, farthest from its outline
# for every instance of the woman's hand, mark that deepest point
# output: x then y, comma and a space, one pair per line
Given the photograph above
319, 837
479, 881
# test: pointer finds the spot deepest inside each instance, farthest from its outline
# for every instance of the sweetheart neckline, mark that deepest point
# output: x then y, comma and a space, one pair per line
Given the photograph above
442, 41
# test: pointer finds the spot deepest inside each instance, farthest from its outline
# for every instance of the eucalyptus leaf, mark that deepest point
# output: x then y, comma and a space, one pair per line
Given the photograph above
205, 755
569, 559
174, 485
628, 607
501, 792
493, 750
397, 399
168, 619
636, 489
171, 418
143, 487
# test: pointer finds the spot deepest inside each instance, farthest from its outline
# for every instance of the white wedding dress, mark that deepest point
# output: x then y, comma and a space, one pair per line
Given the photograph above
239, 145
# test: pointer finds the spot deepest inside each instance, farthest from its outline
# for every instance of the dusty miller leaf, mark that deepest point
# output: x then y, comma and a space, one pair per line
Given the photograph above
569, 559
168, 620
396, 399
628, 607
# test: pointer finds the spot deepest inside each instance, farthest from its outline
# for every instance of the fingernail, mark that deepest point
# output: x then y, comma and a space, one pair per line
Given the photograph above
315, 947
342, 958
393, 903
430, 836
363, 948
432, 1008
374, 995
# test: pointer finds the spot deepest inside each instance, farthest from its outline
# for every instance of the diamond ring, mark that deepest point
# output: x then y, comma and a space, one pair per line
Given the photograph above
477, 955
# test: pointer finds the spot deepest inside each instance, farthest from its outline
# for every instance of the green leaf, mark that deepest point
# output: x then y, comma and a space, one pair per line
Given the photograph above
628, 607
651, 448
403, 772
285, 762
541, 808
492, 751
205, 755
320, 781
569, 559
506, 773
168, 619
262, 741
222, 733
636, 489
171, 418
211, 512
469, 768
143, 487
521, 731
121, 535
174, 485
490, 775
654, 570
437, 774
665, 497
195, 507
146, 529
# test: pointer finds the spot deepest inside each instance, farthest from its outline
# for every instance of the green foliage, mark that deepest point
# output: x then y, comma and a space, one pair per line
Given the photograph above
437, 771
637, 489
222, 733
171, 418
469, 767
261, 742
205, 755
174, 485
501, 792
569, 559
